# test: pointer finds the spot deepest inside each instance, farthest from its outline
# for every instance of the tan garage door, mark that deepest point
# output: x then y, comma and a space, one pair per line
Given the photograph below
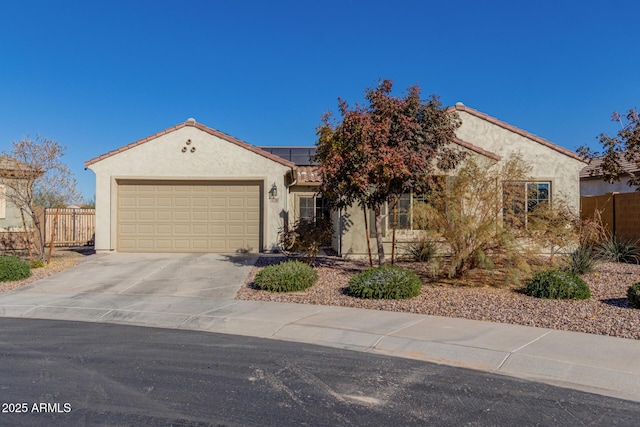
189, 216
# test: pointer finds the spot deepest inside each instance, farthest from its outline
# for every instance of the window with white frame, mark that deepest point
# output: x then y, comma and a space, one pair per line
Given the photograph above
312, 208
403, 212
521, 199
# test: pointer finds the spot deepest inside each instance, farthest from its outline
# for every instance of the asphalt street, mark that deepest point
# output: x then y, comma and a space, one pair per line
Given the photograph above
75, 373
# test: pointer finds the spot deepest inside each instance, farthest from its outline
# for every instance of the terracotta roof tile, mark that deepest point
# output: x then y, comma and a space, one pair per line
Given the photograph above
308, 175
592, 169
504, 125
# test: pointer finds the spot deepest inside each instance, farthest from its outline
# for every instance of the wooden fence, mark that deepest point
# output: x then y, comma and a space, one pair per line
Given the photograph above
73, 227
619, 212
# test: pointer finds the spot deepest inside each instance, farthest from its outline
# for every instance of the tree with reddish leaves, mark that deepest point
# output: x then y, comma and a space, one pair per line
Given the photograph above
625, 146
391, 146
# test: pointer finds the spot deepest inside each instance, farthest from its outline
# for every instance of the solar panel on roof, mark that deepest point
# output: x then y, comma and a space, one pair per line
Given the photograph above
298, 155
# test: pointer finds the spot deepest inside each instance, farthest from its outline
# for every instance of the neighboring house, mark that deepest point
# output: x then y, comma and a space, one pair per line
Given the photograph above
191, 188
593, 184
12, 175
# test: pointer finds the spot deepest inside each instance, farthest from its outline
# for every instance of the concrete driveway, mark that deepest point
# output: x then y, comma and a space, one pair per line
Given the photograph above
150, 289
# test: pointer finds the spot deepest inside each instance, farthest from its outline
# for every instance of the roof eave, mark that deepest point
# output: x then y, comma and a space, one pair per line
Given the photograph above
521, 132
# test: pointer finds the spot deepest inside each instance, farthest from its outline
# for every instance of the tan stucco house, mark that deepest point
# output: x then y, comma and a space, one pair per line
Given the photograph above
13, 175
191, 188
592, 182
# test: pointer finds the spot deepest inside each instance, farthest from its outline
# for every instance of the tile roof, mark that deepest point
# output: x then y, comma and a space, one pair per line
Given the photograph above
592, 169
201, 127
461, 107
11, 168
308, 175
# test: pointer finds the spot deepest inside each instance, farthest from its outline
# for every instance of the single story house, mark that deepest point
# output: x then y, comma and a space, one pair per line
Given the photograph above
12, 175
593, 184
191, 188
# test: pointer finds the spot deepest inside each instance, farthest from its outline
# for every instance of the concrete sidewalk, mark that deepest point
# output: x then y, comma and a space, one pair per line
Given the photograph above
599, 364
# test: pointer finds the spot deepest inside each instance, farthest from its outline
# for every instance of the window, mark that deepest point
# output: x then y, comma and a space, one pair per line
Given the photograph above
312, 208
521, 198
404, 212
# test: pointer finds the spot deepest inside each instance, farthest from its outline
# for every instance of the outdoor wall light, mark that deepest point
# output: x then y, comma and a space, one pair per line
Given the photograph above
273, 193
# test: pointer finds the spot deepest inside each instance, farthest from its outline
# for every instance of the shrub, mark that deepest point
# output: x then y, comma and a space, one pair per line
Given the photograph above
306, 237
423, 250
385, 282
36, 263
633, 294
581, 260
12, 268
616, 249
556, 284
288, 276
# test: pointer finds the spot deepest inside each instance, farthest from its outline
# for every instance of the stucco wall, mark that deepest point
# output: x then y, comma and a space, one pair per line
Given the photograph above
546, 165
596, 187
11, 220
163, 158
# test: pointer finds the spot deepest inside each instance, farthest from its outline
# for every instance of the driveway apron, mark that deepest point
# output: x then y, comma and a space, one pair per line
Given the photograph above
152, 289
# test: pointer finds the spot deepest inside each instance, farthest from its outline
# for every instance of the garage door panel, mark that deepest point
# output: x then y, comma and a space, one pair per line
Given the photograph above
200, 229
182, 216
127, 202
200, 216
182, 202
164, 216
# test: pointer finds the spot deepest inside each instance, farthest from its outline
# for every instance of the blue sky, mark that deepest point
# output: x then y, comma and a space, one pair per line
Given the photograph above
96, 75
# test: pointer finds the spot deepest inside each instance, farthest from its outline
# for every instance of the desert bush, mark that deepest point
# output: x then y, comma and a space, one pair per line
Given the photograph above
289, 276
385, 282
12, 268
306, 237
36, 263
557, 284
633, 295
465, 211
581, 260
423, 250
615, 249
553, 226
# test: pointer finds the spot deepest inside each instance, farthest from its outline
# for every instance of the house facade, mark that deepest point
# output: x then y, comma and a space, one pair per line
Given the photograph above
592, 182
12, 175
191, 188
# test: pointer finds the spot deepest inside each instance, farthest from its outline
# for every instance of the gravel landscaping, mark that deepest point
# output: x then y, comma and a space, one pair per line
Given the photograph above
605, 313
61, 260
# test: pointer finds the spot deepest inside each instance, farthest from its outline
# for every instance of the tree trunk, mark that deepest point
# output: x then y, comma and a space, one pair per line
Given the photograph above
26, 235
366, 230
41, 237
393, 235
378, 215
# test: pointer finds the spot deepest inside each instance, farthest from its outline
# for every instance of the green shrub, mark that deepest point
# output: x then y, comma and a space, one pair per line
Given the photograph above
556, 284
288, 276
581, 260
36, 263
385, 282
423, 250
616, 249
633, 294
12, 268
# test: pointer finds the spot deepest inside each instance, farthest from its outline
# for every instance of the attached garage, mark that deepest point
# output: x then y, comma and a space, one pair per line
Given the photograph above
190, 188
187, 216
